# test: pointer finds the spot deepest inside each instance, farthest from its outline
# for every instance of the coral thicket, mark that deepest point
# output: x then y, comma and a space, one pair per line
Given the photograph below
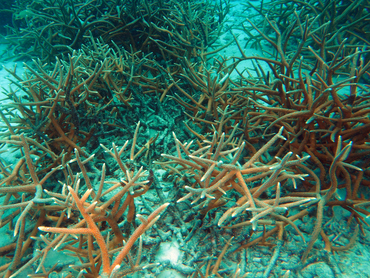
130, 129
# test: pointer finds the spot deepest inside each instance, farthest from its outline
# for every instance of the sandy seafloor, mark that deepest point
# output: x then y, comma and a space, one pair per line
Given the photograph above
353, 263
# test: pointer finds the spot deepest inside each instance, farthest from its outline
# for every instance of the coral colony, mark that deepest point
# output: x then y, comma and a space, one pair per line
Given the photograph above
131, 135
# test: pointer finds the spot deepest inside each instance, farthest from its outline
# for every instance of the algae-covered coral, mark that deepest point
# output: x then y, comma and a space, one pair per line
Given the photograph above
131, 130
47, 29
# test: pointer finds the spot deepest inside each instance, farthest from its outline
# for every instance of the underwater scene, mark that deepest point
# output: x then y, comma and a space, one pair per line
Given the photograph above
184, 138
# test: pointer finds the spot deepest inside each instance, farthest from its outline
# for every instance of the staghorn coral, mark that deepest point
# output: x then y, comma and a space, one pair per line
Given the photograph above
57, 28
54, 207
88, 94
269, 149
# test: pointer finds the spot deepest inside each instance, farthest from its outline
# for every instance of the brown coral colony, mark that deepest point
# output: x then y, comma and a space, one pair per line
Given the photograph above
132, 130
